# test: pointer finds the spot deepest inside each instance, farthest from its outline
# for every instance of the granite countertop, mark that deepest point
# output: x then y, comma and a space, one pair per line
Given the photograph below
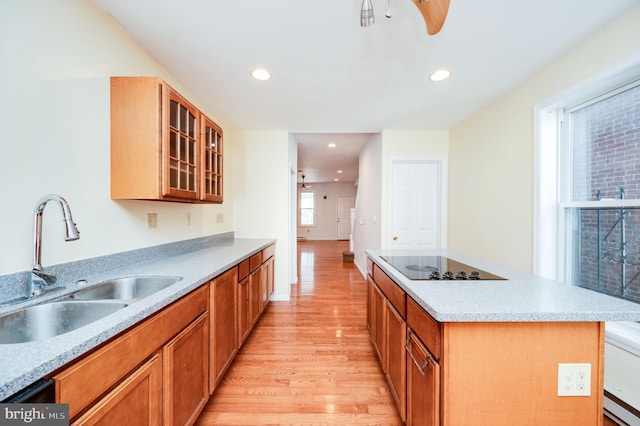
522, 297
24, 363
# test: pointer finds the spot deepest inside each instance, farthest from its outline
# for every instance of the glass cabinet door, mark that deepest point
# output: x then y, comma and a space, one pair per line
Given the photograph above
181, 158
212, 144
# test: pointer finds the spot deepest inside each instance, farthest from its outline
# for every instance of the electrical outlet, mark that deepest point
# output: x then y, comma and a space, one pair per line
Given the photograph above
220, 218
574, 379
152, 220
188, 218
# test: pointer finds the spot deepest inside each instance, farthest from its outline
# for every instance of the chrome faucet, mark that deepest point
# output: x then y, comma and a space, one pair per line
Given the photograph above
39, 279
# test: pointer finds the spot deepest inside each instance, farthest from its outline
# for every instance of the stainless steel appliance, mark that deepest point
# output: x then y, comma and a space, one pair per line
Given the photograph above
437, 268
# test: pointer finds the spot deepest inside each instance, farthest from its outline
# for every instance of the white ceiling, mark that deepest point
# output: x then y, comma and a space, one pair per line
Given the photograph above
332, 76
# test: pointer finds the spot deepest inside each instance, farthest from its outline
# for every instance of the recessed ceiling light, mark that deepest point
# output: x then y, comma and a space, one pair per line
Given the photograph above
336, 180
332, 145
339, 171
440, 75
261, 74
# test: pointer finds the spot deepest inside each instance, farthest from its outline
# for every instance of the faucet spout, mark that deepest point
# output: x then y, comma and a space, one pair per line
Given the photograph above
38, 278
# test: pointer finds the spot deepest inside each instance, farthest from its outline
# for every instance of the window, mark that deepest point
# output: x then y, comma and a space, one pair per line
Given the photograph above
600, 193
307, 208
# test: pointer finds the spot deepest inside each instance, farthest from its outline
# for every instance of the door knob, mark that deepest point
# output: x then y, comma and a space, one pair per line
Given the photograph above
395, 238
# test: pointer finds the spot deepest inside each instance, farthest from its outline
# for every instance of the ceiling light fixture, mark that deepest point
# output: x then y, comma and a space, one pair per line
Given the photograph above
366, 14
261, 74
332, 145
440, 75
339, 171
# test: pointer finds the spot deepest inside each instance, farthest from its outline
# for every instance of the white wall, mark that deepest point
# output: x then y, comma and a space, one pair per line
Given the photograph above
261, 169
326, 227
57, 57
366, 230
491, 153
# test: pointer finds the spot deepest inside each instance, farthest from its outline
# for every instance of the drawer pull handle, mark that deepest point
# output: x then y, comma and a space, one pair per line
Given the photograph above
424, 365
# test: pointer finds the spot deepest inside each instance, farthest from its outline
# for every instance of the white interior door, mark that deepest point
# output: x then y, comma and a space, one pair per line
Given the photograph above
416, 201
345, 204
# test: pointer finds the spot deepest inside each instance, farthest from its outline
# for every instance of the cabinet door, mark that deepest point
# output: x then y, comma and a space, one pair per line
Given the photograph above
370, 317
255, 296
186, 373
135, 401
180, 156
223, 325
264, 282
211, 164
423, 385
244, 324
379, 307
396, 357
270, 277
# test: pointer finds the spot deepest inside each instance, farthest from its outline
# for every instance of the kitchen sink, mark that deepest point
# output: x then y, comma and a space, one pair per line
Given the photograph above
127, 288
52, 319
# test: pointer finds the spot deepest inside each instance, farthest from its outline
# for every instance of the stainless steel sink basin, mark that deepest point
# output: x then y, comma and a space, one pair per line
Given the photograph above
128, 288
52, 319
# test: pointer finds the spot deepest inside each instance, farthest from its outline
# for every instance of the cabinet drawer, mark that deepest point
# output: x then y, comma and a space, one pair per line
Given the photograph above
391, 290
243, 270
369, 266
85, 380
427, 329
255, 261
268, 252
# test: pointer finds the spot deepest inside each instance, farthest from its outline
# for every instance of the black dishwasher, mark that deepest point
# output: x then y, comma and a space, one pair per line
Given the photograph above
42, 391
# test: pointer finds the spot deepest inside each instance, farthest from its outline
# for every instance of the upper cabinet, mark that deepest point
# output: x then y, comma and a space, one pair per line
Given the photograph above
162, 147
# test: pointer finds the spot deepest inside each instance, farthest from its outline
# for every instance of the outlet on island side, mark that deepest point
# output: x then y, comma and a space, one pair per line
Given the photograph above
574, 379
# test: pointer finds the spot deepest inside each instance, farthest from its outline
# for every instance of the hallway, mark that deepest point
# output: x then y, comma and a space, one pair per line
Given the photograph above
309, 360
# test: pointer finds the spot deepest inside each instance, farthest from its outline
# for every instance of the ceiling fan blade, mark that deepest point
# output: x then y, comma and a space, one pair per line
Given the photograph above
434, 13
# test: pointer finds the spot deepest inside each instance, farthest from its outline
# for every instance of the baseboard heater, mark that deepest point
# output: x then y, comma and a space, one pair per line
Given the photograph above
619, 411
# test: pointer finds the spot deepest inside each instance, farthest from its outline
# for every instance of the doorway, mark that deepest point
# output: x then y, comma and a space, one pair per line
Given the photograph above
417, 203
345, 204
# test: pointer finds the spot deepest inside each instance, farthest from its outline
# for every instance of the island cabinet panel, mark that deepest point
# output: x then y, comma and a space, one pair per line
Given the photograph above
507, 373
224, 324
385, 319
423, 385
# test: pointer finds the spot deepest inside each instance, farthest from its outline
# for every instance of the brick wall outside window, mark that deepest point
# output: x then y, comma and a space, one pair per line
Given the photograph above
606, 157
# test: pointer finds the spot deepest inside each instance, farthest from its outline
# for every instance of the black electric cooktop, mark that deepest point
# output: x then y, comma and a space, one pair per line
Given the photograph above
437, 268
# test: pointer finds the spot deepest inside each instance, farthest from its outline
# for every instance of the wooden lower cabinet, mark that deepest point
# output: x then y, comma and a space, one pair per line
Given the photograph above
244, 323
223, 306
396, 332
378, 306
135, 401
186, 373
255, 296
423, 385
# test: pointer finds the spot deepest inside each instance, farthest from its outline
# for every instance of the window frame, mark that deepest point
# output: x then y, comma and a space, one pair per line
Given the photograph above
300, 208
549, 207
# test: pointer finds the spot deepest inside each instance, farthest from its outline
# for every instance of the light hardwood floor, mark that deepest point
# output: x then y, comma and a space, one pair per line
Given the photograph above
309, 360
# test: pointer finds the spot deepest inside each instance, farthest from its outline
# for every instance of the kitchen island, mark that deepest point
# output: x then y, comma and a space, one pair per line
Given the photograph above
523, 350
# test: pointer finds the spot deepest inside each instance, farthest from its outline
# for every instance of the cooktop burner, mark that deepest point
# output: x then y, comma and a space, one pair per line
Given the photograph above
437, 268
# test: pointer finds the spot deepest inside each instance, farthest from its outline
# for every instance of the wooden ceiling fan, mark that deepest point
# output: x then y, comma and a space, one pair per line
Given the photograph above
434, 13
304, 186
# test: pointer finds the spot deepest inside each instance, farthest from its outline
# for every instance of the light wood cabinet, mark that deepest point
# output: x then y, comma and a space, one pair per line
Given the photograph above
385, 313
244, 324
423, 385
82, 383
135, 401
162, 147
224, 324
186, 373
395, 334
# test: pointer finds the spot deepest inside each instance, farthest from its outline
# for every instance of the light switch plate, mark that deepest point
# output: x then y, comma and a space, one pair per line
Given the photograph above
574, 379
